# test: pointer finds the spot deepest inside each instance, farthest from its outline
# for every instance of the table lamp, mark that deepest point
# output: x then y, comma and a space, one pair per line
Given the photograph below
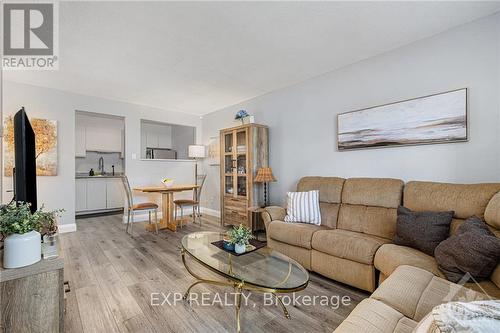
197, 152
265, 175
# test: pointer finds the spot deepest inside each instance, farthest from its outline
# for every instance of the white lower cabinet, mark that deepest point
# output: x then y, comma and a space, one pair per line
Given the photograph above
81, 195
98, 194
114, 193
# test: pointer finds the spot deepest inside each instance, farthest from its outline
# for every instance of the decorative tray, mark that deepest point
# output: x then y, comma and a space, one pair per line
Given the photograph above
254, 245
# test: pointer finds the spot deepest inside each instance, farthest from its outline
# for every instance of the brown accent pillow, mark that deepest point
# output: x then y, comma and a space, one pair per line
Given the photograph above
473, 249
422, 230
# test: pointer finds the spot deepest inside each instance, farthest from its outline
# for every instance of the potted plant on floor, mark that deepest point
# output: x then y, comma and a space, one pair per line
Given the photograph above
21, 239
240, 236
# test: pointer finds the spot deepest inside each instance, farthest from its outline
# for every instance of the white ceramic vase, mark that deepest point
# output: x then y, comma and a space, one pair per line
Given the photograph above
240, 248
22, 250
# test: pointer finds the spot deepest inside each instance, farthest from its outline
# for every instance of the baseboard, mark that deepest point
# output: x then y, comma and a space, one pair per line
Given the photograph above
211, 212
64, 228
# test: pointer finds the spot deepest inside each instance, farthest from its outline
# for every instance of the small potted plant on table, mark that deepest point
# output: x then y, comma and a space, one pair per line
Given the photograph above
21, 239
48, 228
20, 230
240, 236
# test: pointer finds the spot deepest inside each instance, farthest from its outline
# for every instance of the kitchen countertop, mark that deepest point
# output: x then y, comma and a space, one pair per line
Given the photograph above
86, 175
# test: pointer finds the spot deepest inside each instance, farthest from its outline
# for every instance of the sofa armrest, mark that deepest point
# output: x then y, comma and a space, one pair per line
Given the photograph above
273, 213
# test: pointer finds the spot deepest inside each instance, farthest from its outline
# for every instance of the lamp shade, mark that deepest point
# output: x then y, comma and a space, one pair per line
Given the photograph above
264, 175
196, 151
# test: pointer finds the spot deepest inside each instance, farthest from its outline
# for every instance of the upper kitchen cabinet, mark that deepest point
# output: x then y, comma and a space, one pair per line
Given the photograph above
99, 133
106, 140
165, 141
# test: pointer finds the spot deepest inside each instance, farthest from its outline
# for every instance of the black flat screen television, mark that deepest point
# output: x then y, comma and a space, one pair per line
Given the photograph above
25, 160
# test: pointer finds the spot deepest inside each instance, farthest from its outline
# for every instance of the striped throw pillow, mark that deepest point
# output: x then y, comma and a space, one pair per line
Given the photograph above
303, 207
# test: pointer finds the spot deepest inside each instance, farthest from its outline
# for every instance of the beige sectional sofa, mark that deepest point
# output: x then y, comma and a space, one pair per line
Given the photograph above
354, 242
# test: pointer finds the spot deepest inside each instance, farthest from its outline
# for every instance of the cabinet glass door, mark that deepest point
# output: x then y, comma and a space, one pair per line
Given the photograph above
228, 143
229, 185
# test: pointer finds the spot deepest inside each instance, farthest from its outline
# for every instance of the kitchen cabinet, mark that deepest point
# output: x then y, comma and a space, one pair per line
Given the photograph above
81, 195
99, 194
104, 140
158, 136
151, 139
96, 194
114, 193
80, 141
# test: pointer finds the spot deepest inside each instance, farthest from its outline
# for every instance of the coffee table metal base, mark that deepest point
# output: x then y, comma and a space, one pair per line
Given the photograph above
238, 287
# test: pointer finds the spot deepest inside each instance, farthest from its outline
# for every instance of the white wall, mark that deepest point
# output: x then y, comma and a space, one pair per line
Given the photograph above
302, 118
59, 191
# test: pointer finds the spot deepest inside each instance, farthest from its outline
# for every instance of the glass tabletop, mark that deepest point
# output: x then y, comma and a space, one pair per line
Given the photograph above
264, 267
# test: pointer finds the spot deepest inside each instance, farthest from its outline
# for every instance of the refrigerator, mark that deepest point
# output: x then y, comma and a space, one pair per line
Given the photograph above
161, 154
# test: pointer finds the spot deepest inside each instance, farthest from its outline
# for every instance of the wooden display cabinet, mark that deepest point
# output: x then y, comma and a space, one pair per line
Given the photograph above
243, 150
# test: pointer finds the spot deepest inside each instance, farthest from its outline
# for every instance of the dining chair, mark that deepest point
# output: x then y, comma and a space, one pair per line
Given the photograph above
195, 202
144, 206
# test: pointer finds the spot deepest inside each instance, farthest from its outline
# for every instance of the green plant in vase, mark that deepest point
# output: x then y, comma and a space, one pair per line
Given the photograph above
240, 236
48, 228
20, 230
21, 239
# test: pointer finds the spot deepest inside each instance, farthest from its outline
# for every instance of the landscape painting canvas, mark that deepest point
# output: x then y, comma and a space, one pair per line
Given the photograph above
438, 118
45, 146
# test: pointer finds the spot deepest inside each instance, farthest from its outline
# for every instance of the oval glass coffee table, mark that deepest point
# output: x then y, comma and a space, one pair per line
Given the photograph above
263, 270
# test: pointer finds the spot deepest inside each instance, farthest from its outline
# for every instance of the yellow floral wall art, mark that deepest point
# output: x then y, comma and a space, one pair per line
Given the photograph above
45, 146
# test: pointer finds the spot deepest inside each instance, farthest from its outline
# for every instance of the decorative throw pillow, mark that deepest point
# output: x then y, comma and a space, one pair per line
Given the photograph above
303, 207
422, 230
473, 249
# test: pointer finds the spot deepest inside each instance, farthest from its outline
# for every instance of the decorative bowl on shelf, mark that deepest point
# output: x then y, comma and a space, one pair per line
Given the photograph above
167, 182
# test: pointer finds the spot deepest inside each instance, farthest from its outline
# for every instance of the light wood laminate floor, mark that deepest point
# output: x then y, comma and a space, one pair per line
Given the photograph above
112, 276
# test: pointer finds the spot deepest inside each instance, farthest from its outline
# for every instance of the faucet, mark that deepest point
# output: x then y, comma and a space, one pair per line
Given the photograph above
101, 165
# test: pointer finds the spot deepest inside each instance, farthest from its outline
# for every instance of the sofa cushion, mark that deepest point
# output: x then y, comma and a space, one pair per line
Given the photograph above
465, 200
299, 254
330, 193
298, 234
422, 230
346, 244
372, 316
391, 256
379, 192
414, 292
492, 213
369, 205
377, 221
353, 273
473, 250
330, 188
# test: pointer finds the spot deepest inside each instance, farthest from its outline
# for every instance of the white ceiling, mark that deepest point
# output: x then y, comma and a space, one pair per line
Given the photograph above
198, 57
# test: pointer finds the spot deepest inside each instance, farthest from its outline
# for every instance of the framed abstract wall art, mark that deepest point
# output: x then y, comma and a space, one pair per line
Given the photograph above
439, 118
45, 146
